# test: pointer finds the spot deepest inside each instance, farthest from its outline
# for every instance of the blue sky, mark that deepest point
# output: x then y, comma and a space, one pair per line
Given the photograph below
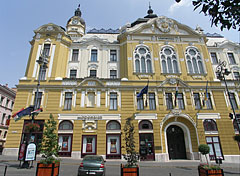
19, 18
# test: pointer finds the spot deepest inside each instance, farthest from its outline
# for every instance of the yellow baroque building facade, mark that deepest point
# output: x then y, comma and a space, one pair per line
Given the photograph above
92, 80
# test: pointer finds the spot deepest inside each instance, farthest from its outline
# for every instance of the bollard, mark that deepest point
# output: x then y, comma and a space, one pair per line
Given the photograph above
5, 171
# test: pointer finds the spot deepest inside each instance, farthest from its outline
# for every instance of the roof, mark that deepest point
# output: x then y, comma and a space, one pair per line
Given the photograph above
103, 31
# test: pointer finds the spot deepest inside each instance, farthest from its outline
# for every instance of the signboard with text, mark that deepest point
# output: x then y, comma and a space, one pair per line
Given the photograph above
31, 152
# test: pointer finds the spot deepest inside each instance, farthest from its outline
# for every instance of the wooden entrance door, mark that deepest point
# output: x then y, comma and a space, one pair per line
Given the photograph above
146, 147
176, 143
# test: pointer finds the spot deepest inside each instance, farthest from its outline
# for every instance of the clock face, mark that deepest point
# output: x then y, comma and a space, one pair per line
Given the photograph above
75, 21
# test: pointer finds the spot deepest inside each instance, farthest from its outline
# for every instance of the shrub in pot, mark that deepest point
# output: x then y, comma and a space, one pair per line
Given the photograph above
49, 165
131, 168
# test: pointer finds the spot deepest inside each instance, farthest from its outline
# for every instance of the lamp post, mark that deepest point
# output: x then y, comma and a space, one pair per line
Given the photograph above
221, 72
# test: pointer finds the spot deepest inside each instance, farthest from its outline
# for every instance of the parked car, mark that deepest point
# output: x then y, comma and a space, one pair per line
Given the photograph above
92, 165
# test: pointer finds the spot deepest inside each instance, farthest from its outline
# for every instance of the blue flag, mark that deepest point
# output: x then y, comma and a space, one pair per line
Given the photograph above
143, 91
23, 112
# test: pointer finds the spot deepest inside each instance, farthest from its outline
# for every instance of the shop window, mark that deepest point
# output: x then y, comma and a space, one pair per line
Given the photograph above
113, 125
66, 125
145, 125
169, 60
89, 145
215, 147
113, 146
210, 125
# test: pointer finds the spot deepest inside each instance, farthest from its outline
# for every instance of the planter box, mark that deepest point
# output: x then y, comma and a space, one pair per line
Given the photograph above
47, 169
207, 172
129, 171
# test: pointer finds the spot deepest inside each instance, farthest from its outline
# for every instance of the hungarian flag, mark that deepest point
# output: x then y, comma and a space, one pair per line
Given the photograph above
23, 112
37, 111
176, 94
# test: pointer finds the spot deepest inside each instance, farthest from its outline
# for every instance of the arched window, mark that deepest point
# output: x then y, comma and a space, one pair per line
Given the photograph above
66, 125
169, 60
194, 61
210, 125
113, 125
142, 60
145, 125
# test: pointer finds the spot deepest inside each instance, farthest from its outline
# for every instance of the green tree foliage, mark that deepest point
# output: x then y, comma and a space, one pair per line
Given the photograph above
204, 149
223, 13
131, 155
49, 147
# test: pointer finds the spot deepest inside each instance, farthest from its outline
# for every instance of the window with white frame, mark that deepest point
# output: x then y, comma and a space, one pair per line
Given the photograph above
93, 73
38, 99
169, 100
113, 74
152, 102
233, 100
94, 55
113, 125
210, 125
236, 75
65, 125
197, 101
91, 99
140, 103
73, 73
1, 100
209, 101
113, 101
7, 102
113, 55
68, 101
169, 60
75, 53
215, 147
231, 58
46, 49
3, 118
42, 72
214, 58
142, 60
194, 61
180, 101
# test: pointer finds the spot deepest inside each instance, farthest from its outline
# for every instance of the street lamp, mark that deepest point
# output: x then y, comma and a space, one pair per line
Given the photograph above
221, 72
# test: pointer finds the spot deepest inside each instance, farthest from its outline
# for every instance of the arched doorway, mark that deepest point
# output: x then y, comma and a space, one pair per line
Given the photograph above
176, 142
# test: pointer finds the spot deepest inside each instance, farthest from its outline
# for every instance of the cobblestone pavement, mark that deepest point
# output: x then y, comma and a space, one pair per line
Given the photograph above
69, 167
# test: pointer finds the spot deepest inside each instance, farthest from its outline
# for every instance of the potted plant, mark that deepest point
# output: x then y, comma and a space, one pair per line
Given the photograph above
31, 127
49, 166
131, 168
206, 169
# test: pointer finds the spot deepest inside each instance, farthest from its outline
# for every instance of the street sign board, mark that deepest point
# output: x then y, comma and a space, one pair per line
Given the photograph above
31, 152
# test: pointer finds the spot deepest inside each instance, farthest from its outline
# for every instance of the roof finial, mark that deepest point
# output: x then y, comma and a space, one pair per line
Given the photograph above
78, 11
150, 11
78, 5
149, 5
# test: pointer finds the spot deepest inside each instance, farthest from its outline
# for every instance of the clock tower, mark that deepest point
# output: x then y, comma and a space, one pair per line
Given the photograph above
76, 25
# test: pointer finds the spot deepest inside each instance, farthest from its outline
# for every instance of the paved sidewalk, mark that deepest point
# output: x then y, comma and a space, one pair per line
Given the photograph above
150, 168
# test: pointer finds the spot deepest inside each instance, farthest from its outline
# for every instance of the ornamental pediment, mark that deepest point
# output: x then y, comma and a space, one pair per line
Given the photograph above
173, 82
91, 82
50, 27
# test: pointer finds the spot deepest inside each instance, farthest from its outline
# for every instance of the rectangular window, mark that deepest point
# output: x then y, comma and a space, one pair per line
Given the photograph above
12, 105
180, 101
209, 101
113, 101
7, 102
113, 55
75, 54
73, 73
231, 58
42, 73
233, 100
197, 101
140, 105
94, 55
68, 101
113, 74
152, 102
46, 49
91, 99
93, 73
236, 75
214, 58
1, 100
215, 147
38, 99
169, 101
3, 118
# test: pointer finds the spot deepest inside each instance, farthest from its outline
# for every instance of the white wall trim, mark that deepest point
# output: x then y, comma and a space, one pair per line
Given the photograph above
36, 64
208, 116
51, 61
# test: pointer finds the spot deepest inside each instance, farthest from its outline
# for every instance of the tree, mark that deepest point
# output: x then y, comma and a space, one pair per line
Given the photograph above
225, 13
204, 149
49, 147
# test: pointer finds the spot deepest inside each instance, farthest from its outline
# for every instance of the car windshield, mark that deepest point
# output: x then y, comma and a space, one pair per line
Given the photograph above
92, 158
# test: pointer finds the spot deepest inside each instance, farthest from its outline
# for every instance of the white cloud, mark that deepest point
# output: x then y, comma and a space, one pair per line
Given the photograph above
183, 3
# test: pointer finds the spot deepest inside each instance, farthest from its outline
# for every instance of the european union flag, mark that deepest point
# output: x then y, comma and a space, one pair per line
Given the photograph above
143, 91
